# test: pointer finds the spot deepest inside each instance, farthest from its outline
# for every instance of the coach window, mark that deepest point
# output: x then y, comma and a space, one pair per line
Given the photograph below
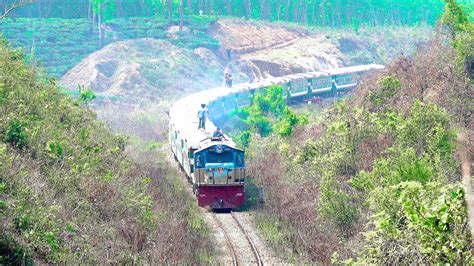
182, 143
175, 135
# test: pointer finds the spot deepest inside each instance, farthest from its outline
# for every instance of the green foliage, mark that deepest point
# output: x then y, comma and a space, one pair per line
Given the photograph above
104, 7
429, 222
55, 149
60, 44
67, 187
361, 166
16, 134
331, 13
271, 229
385, 169
390, 85
268, 114
459, 21
86, 95
455, 17
142, 204
335, 205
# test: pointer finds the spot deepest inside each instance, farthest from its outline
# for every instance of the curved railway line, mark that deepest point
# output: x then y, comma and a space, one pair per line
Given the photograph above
238, 249
254, 248
228, 241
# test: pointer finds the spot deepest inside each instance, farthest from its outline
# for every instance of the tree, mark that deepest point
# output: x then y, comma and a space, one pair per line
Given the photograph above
105, 9
455, 17
170, 10
181, 15
8, 8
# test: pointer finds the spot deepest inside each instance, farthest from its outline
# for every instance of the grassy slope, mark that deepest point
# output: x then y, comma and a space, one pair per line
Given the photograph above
69, 192
62, 43
383, 164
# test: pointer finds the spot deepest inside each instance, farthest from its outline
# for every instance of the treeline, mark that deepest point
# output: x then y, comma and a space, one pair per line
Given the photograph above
334, 13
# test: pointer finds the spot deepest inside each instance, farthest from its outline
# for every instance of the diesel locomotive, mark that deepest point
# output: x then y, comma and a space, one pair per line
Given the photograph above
215, 168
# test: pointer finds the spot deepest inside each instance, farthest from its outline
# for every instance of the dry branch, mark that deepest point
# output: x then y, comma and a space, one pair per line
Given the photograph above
16, 4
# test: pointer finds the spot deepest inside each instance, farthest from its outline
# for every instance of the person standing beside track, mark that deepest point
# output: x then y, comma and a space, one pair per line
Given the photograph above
202, 114
228, 80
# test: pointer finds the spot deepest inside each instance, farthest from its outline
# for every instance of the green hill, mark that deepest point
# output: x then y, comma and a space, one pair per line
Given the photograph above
69, 191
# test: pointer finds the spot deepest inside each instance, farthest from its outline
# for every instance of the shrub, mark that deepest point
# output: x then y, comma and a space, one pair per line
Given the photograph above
87, 95
335, 205
16, 134
69, 192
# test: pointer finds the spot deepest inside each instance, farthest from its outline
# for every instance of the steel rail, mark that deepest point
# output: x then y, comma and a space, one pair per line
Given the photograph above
227, 240
254, 248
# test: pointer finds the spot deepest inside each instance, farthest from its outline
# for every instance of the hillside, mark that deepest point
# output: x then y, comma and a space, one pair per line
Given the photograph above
136, 81
60, 44
368, 177
376, 179
71, 192
144, 68
260, 49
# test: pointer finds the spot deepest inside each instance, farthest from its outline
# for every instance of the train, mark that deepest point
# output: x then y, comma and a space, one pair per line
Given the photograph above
216, 167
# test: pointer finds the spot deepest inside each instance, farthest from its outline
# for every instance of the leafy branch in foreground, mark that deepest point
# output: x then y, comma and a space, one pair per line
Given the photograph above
268, 114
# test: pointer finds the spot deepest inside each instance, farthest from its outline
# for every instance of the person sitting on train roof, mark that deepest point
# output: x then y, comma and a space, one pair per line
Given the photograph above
217, 133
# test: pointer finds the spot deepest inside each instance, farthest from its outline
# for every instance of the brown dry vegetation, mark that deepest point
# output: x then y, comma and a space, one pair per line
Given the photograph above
343, 143
431, 75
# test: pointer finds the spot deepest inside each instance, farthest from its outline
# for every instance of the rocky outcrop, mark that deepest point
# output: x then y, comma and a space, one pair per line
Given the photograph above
256, 50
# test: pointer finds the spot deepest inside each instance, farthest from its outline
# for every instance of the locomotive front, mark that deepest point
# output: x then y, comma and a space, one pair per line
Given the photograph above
219, 175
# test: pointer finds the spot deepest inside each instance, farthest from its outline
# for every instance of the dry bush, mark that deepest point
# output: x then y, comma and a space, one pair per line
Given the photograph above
292, 183
69, 192
291, 194
134, 234
174, 240
432, 74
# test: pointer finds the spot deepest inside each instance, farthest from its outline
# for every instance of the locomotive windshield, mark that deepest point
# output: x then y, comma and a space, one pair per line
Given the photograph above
224, 157
228, 155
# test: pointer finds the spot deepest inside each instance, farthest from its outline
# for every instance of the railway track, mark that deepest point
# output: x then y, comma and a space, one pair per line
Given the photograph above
227, 241
254, 248
237, 239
